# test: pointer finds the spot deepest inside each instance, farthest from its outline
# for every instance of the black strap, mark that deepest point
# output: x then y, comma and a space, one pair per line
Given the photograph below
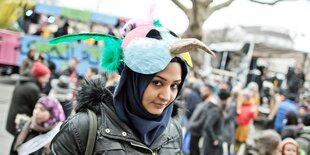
91, 132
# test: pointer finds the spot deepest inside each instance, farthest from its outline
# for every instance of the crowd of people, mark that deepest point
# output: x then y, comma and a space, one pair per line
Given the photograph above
137, 108
220, 115
42, 99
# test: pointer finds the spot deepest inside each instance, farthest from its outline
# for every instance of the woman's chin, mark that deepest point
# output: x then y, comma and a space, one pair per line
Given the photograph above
156, 111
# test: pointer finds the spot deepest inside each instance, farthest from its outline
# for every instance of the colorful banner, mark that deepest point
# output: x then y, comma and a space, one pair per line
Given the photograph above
60, 54
48, 9
84, 16
75, 14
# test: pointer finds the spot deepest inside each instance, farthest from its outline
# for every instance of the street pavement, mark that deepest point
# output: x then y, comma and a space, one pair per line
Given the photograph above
6, 90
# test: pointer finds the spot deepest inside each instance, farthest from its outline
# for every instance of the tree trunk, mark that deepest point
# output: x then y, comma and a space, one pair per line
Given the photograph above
195, 31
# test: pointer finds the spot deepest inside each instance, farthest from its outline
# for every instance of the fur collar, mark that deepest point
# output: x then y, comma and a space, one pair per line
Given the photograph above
93, 93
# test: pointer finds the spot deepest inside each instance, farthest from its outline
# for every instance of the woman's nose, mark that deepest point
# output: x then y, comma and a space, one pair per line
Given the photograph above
165, 94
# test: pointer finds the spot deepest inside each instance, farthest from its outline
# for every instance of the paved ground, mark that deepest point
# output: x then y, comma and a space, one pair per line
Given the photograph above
6, 89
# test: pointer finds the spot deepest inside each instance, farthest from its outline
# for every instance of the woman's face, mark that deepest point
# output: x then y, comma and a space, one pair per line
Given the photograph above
290, 149
162, 89
40, 113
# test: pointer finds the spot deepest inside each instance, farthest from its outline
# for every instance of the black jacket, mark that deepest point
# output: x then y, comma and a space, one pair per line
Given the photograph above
113, 136
24, 98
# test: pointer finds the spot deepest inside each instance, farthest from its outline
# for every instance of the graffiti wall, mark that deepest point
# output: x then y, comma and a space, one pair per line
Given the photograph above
88, 55
9, 47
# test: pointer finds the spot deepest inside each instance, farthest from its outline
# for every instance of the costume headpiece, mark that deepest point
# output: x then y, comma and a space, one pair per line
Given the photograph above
147, 48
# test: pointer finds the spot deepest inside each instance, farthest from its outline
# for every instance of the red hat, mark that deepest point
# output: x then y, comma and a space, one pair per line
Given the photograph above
39, 69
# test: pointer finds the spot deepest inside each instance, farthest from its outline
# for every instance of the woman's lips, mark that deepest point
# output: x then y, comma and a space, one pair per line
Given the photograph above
159, 105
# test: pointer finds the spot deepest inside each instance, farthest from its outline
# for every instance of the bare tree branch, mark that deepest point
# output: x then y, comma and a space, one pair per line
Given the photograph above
181, 6
219, 6
268, 3
205, 3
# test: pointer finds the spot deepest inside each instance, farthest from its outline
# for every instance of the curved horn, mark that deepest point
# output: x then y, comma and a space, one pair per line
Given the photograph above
188, 45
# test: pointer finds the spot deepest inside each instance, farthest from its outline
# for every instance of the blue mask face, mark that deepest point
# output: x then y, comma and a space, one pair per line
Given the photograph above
150, 54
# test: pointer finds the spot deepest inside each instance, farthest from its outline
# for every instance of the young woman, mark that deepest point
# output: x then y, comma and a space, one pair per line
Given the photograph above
136, 117
37, 133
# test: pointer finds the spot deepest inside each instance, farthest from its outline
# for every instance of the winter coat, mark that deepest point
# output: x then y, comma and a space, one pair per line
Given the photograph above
29, 135
230, 123
24, 98
113, 135
196, 122
212, 130
247, 114
192, 100
303, 139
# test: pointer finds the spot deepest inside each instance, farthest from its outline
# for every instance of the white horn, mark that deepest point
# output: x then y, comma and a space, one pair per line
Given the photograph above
188, 45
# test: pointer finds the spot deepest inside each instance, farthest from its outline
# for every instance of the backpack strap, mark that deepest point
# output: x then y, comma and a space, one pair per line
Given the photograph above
91, 132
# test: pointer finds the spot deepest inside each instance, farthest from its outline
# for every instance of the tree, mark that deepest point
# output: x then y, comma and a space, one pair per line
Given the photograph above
197, 15
201, 10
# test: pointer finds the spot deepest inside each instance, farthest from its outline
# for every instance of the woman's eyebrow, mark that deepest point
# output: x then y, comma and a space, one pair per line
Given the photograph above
166, 79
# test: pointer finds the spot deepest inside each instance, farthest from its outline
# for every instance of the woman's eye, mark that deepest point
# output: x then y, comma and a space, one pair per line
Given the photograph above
174, 86
157, 83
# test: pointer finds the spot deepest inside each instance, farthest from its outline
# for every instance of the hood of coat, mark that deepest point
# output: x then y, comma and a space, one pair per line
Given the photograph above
92, 93
305, 130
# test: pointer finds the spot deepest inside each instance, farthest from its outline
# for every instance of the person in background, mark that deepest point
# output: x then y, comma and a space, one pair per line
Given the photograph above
36, 134
63, 30
273, 106
212, 128
229, 102
291, 126
266, 143
290, 147
246, 113
287, 104
198, 118
52, 66
295, 80
303, 138
112, 80
62, 91
27, 62
253, 87
193, 98
92, 73
26, 93
71, 72
40, 57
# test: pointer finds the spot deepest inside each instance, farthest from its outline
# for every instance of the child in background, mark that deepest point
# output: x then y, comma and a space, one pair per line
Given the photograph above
290, 147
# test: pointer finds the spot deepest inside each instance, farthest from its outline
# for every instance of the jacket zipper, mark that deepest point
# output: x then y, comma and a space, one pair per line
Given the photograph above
141, 146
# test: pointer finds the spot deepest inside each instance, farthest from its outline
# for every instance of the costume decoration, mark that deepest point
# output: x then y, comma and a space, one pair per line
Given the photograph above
147, 48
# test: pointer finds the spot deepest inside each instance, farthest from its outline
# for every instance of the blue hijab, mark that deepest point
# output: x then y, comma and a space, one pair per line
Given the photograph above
128, 104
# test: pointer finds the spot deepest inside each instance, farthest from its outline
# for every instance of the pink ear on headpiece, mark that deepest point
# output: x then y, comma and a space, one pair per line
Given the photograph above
134, 23
138, 32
